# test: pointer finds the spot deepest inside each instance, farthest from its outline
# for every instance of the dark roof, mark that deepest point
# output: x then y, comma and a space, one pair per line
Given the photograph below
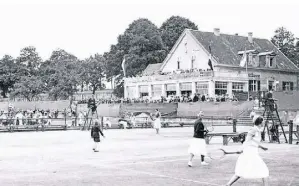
151, 69
225, 48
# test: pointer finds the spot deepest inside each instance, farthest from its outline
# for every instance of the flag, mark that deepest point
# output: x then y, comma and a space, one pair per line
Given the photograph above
243, 60
123, 66
210, 59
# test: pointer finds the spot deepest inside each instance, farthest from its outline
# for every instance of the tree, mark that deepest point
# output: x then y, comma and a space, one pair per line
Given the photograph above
29, 61
113, 60
94, 72
60, 74
285, 41
142, 45
9, 74
29, 87
173, 27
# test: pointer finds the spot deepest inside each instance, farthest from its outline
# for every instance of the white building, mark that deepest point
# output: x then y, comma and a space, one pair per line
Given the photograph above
185, 70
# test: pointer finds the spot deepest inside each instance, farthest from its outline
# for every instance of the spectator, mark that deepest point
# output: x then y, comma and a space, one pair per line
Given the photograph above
203, 98
195, 98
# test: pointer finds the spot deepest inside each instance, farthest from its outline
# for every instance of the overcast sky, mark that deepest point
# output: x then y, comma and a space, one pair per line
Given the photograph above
85, 27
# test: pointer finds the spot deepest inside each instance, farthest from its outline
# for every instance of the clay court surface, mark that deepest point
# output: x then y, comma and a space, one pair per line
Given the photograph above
127, 157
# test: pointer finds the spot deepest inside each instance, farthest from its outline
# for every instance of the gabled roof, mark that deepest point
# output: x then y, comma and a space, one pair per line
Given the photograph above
151, 69
225, 48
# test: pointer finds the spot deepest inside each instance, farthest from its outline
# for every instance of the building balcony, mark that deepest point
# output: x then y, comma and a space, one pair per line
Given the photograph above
199, 75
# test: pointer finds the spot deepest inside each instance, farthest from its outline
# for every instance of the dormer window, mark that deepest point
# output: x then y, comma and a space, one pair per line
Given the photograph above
271, 61
269, 58
250, 58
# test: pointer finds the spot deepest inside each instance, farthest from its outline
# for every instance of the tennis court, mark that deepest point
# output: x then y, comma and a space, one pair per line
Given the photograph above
127, 157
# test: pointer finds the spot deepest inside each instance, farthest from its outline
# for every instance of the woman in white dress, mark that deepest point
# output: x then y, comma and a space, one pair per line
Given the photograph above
81, 117
250, 165
157, 121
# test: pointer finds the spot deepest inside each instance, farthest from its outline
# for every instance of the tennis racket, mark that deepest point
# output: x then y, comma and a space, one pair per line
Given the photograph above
218, 154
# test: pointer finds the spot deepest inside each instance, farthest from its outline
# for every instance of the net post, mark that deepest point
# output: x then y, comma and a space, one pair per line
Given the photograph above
234, 125
290, 131
65, 117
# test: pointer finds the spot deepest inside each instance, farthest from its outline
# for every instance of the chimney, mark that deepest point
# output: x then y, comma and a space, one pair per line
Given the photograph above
217, 31
250, 39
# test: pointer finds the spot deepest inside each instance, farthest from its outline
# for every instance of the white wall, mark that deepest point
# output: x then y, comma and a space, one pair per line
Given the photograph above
193, 49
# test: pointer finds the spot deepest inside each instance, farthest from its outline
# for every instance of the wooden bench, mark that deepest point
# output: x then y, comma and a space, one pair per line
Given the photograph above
226, 136
288, 132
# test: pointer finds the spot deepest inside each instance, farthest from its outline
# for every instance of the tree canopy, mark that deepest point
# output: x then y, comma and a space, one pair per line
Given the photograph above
173, 27
285, 41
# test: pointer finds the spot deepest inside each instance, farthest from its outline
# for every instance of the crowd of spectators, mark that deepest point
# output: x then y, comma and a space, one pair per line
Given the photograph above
29, 117
179, 71
169, 99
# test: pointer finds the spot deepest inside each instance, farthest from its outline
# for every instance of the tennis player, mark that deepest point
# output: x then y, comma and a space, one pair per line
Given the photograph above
95, 134
249, 164
157, 121
198, 143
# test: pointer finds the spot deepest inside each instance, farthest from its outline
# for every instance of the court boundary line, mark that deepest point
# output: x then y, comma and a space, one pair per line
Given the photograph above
168, 158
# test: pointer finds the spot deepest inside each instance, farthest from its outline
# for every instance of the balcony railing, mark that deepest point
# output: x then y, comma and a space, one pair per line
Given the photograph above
205, 75
174, 76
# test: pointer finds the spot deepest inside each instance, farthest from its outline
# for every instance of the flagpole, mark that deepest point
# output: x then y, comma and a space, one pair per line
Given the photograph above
247, 76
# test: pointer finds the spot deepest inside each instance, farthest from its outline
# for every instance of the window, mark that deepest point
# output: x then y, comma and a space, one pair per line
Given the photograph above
192, 62
156, 90
143, 89
287, 86
202, 88
131, 91
171, 87
238, 87
186, 47
250, 58
271, 62
178, 65
186, 86
220, 87
254, 85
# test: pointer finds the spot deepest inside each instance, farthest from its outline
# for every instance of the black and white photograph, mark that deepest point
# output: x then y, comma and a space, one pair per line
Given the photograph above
149, 93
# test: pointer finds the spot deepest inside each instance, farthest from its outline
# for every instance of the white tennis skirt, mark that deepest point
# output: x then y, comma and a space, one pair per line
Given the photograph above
250, 165
197, 146
157, 123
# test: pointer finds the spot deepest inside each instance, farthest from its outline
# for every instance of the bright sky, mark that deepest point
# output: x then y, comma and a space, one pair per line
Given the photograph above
85, 27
